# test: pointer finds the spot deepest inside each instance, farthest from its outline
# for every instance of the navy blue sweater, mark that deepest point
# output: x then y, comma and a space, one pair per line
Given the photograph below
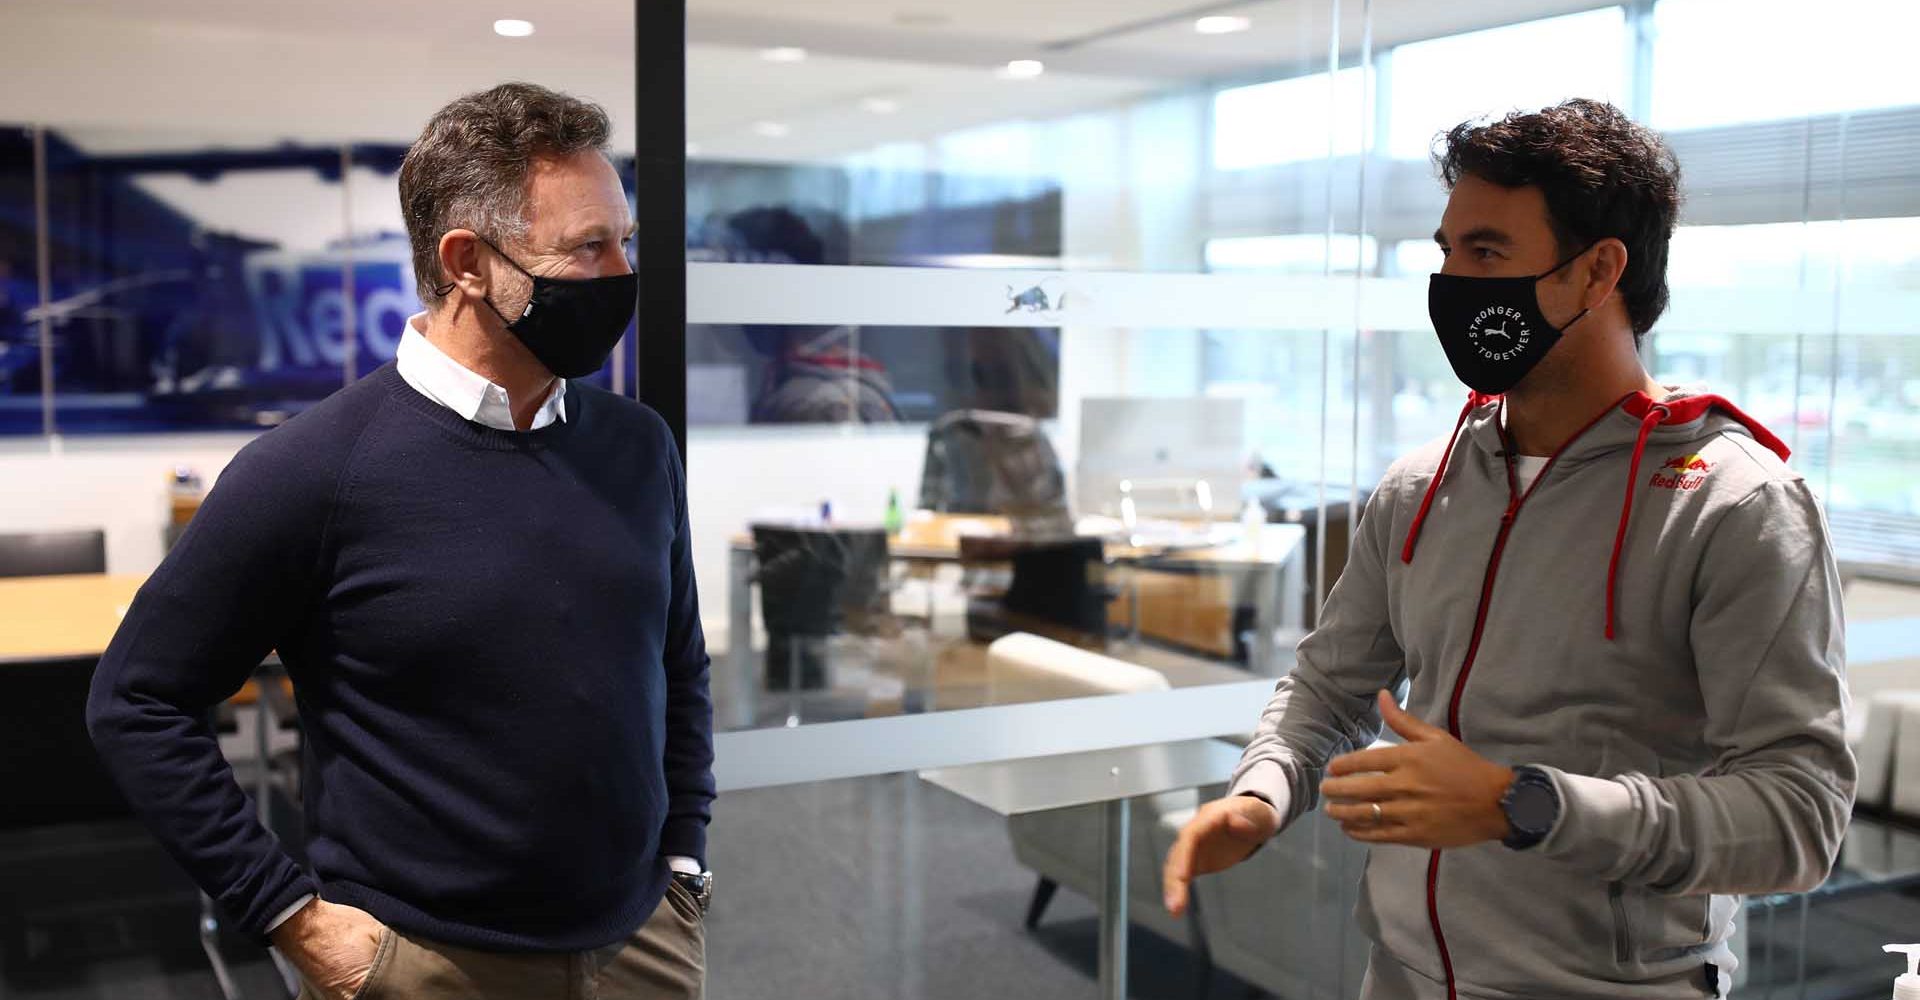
495, 644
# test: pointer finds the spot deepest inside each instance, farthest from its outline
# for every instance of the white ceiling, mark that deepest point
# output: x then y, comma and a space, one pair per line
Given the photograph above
374, 69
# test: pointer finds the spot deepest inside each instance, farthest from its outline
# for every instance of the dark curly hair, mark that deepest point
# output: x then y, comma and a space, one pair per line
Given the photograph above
1602, 173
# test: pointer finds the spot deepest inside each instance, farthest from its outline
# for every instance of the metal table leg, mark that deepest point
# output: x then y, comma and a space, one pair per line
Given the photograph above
1279, 595
740, 636
1113, 904
263, 746
210, 943
1267, 614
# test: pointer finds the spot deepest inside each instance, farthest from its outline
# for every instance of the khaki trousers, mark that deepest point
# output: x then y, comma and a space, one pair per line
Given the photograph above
664, 959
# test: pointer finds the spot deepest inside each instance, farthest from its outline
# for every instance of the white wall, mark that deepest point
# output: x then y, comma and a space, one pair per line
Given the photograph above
118, 483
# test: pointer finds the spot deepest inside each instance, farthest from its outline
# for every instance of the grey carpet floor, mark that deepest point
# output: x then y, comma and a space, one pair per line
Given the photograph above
880, 887
871, 888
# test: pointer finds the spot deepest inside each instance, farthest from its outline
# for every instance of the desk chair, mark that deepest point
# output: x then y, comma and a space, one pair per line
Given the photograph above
53, 553
816, 583
71, 851
1055, 588
987, 462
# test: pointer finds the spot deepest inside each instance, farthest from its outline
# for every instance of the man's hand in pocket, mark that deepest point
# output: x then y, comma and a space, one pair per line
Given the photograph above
332, 946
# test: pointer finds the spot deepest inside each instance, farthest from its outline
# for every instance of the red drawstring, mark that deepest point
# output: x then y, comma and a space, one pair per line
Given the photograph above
1413, 533
1655, 414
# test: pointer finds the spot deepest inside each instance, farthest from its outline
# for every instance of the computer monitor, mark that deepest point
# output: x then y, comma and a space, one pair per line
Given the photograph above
1176, 457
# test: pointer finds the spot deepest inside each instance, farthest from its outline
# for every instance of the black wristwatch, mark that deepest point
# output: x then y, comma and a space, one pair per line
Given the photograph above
1532, 806
700, 887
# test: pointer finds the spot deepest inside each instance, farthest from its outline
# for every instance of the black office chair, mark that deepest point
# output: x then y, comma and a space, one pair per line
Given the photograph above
53, 553
1052, 587
987, 462
816, 583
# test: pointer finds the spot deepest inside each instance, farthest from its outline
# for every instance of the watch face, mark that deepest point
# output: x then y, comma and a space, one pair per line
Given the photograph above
1532, 810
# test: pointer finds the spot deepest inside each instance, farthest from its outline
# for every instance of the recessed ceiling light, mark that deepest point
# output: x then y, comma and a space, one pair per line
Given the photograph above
513, 27
879, 105
771, 130
1023, 69
1222, 24
784, 53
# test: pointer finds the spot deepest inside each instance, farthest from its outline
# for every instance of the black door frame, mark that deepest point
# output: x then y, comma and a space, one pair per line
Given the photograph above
660, 209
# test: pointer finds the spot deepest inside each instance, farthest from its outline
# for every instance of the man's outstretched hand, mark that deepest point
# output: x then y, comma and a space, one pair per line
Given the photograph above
1220, 835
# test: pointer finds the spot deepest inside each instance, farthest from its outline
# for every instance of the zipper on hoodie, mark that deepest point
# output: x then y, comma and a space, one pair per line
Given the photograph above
1622, 934
1515, 499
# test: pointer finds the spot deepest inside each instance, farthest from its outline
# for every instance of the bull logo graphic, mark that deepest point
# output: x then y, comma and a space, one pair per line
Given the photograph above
1035, 298
1682, 472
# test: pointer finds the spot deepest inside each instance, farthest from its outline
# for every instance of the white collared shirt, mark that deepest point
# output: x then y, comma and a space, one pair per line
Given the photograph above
453, 385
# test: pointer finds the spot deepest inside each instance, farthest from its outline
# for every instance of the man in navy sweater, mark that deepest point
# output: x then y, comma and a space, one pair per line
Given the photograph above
478, 575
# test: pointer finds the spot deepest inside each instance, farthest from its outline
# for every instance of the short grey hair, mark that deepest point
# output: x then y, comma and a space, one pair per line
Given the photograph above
469, 168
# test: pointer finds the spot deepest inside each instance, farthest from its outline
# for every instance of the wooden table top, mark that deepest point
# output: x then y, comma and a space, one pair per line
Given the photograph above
55, 617
74, 617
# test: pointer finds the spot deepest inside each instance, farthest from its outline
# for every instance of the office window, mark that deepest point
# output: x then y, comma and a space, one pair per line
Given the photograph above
1810, 329
1883, 253
1288, 121
1439, 83
1415, 258
1723, 62
1296, 253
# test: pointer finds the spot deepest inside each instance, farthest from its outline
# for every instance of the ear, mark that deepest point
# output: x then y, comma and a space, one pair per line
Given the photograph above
460, 261
1606, 264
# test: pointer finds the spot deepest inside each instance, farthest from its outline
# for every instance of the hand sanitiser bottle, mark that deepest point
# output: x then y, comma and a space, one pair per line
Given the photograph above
1907, 987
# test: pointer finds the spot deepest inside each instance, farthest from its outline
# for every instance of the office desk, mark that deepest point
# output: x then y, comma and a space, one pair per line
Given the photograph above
1112, 777
48, 618
62, 617
1269, 566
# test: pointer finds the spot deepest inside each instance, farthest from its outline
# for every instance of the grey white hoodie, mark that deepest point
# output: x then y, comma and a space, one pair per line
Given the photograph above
1656, 622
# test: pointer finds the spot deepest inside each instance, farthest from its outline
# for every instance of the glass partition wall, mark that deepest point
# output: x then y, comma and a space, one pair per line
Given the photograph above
1053, 363
1036, 359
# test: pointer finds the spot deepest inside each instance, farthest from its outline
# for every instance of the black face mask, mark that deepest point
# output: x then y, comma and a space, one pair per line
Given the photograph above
1492, 328
571, 326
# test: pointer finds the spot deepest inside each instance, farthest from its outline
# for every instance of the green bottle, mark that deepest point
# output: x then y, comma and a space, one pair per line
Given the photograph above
895, 519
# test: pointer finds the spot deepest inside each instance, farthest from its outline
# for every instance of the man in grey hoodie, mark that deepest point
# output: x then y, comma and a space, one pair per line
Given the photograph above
1614, 606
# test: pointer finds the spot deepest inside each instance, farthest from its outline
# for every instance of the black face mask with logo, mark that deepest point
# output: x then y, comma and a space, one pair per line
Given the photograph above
1492, 328
570, 325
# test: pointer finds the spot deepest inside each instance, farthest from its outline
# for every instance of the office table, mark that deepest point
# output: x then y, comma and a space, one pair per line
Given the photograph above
51, 618
1110, 777
62, 617
1271, 561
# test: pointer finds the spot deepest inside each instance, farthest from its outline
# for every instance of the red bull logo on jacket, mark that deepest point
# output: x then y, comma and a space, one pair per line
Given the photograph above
1682, 472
